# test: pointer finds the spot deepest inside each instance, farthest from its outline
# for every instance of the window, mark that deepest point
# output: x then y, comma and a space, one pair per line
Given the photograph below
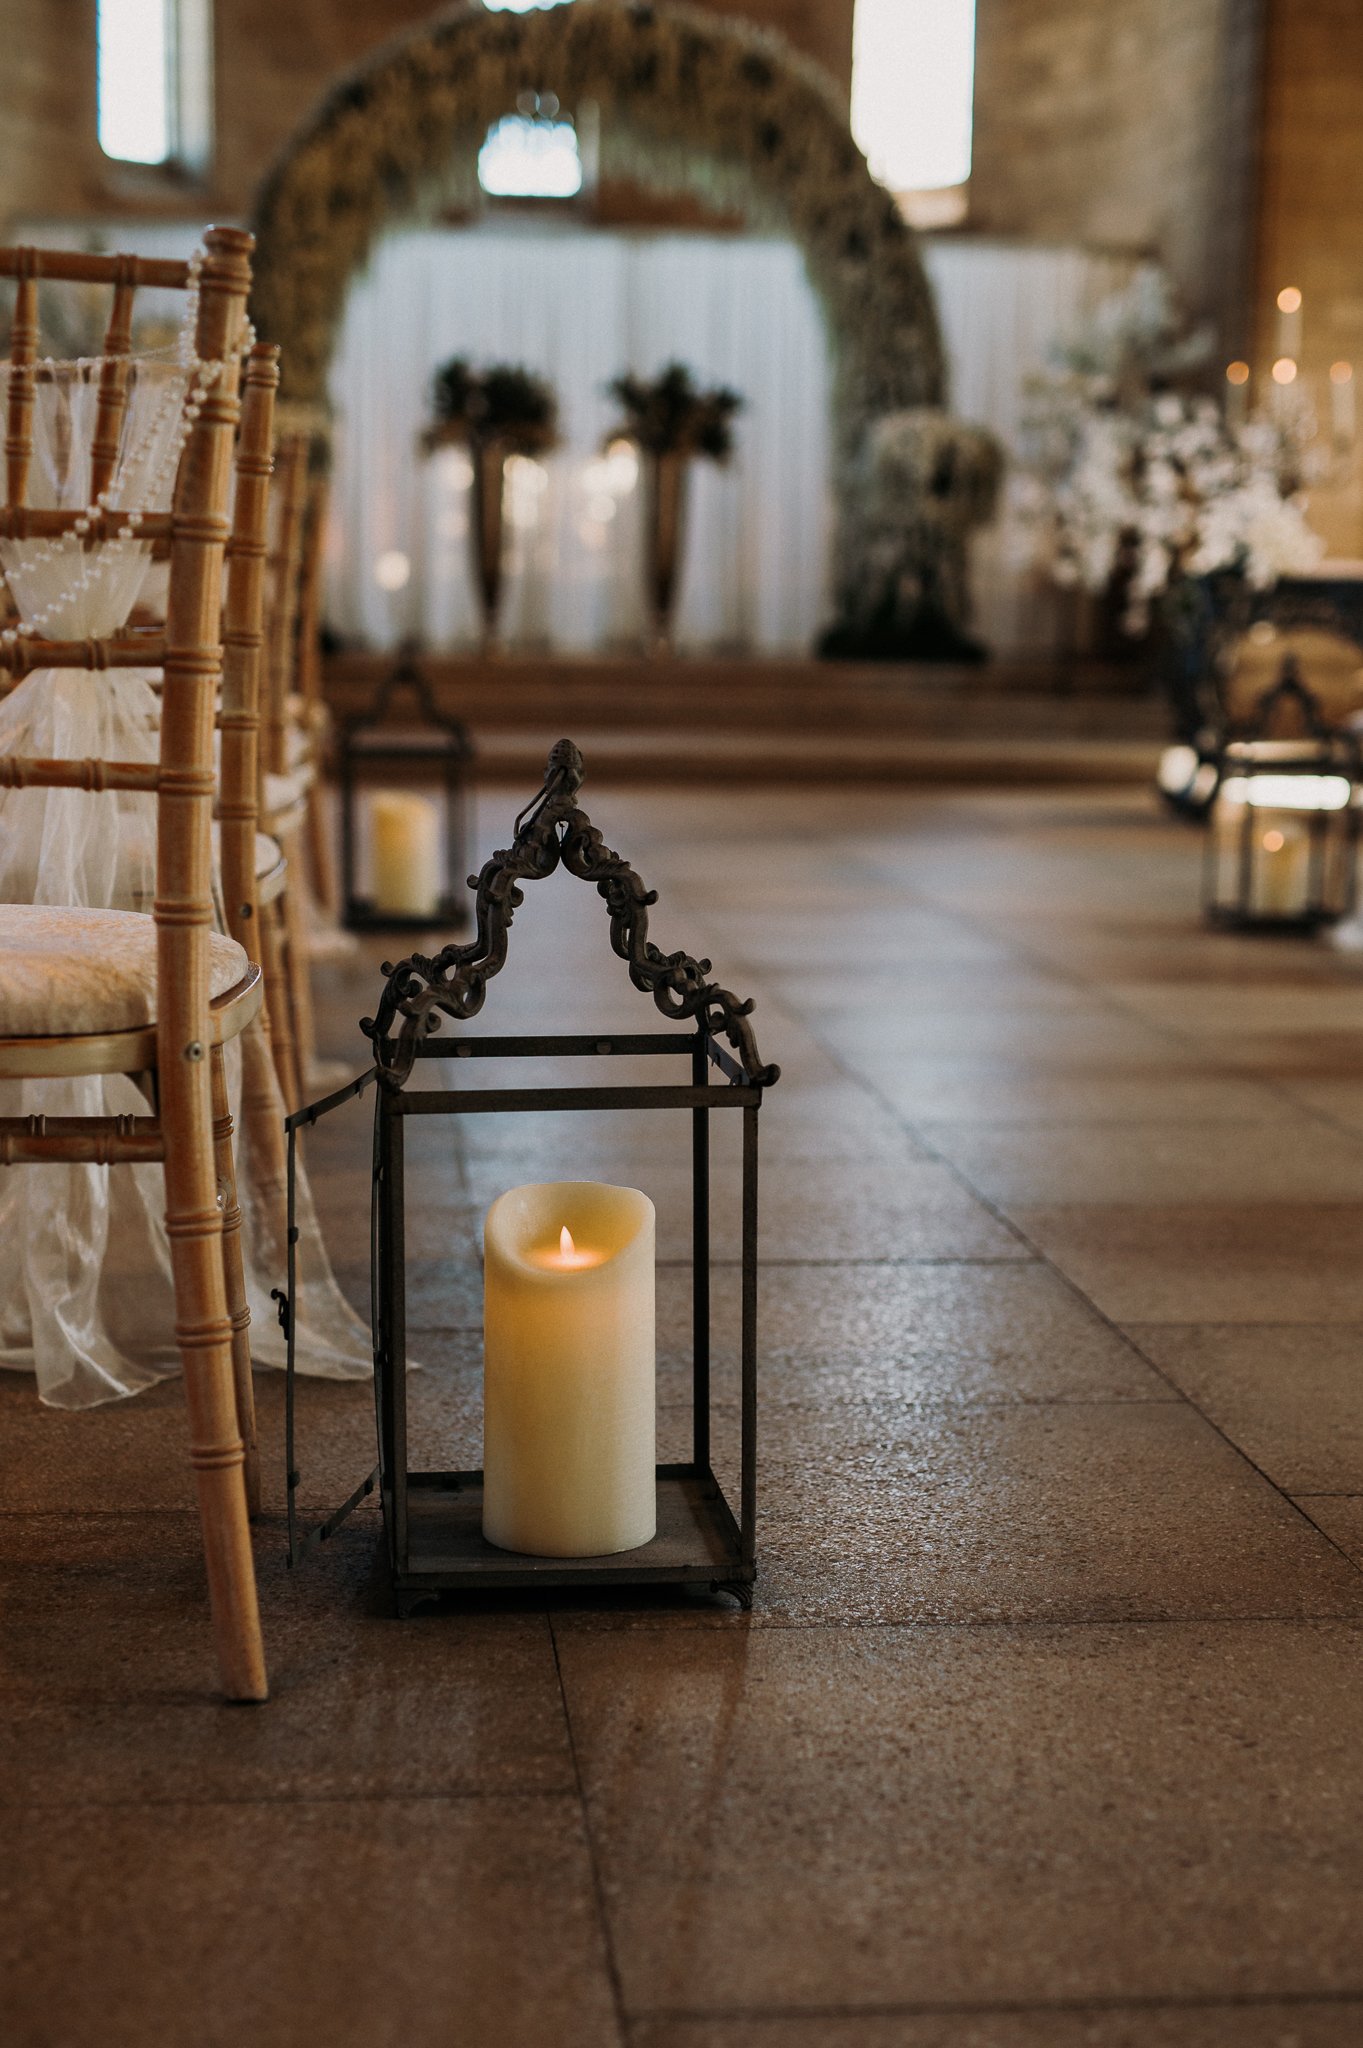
520, 6
531, 155
913, 75
155, 81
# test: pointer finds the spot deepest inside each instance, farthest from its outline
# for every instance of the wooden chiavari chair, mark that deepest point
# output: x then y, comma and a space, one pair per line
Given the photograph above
294, 736
313, 713
286, 776
119, 992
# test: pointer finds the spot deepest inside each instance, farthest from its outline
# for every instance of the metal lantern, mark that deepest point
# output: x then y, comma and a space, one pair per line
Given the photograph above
403, 849
433, 1520
1281, 847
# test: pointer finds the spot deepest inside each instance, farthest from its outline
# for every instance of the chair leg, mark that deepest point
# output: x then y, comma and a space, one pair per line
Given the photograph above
234, 1279
262, 1116
215, 1446
296, 964
321, 858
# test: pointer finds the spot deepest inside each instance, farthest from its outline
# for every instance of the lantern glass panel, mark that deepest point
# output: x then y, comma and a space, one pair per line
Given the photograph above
1281, 847
402, 812
702, 1070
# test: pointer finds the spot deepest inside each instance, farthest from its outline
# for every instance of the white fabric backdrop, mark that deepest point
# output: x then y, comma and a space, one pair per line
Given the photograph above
582, 304
1002, 306
578, 306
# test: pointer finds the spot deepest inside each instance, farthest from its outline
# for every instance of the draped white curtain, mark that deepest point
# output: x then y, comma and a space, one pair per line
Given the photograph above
578, 307
1003, 306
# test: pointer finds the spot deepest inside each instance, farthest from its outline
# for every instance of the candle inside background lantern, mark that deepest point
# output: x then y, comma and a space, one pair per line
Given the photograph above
404, 853
569, 1423
1267, 843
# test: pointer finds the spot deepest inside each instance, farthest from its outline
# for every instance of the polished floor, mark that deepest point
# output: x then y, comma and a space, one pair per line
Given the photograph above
1047, 1726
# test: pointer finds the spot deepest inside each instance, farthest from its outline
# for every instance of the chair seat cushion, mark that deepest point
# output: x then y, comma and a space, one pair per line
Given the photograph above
64, 973
268, 855
283, 793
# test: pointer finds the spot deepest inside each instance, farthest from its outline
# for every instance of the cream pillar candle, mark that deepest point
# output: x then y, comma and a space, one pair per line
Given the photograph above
1282, 864
569, 1432
404, 853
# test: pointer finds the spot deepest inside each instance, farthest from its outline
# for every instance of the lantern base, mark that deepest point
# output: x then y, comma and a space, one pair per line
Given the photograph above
697, 1543
1303, 925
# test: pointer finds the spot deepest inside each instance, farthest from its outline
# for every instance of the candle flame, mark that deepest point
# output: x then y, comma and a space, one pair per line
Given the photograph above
566, 1248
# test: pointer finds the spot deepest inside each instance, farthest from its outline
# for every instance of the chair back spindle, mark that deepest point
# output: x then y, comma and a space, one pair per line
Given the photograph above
23, 352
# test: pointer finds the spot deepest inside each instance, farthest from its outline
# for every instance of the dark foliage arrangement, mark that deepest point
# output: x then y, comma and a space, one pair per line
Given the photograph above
502, 403
669, 415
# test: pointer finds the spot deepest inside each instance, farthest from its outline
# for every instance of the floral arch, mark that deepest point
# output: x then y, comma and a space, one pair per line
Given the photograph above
688, 100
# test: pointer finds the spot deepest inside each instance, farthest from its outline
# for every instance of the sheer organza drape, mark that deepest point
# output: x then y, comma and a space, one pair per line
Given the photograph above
86, 1302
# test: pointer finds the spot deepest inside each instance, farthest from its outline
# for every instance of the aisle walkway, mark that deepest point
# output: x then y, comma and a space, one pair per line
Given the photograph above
1047, 1728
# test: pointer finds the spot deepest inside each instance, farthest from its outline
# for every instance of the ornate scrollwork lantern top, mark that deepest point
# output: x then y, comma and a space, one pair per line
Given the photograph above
550, 831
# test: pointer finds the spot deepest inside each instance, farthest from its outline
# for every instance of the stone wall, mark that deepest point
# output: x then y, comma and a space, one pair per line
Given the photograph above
274, 59
1128, 126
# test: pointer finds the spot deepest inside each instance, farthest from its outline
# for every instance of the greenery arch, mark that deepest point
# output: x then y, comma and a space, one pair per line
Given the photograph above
687, 100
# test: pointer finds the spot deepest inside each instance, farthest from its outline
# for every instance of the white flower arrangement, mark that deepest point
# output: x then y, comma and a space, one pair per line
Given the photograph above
1146, 486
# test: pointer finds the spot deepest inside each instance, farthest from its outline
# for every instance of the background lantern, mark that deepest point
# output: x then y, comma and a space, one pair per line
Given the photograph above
434, 1520
1281, 847
403, 810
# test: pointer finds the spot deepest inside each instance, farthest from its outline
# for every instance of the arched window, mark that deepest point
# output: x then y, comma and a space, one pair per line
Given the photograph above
155, 81
913, 76
531, 156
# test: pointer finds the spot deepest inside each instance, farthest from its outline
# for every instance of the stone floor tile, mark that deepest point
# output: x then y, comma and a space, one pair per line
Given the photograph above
847, 1817
1207, 1262
1156, 1161
1340, 1516
1000, 1091
1006, 1331
879, 989
1341, 1102
1213, 1009
106, 1680
1288, 1395
1311, 2023
1064, 1512
831, 1209
355, 1923
875, 1042
913, 937
1293, 1055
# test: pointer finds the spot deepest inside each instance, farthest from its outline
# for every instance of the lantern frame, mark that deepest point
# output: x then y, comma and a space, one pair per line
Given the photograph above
367, 745
1253, 752
433, 1520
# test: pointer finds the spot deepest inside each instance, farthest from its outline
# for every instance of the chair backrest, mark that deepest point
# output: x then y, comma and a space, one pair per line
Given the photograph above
243, 647
309, 651
289, 521
1329, 663
188, 652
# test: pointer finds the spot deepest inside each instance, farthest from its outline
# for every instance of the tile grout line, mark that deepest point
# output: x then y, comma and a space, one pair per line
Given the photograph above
622, 2025
1211, 2001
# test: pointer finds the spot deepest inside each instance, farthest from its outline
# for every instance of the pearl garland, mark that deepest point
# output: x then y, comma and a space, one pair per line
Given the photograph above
202, 376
